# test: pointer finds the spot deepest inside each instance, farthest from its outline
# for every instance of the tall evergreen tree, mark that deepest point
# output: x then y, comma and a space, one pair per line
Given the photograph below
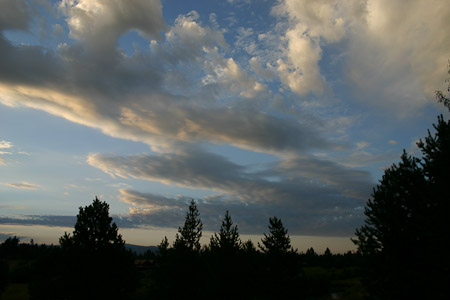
407, 230
277, 241
188, 237
94, 229
227, 241
92, 264
163, 247
281, 267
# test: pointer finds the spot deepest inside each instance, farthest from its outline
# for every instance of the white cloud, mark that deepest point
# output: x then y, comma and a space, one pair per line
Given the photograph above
398, 62
188, 39
23, 185
395, 63
5, 145
256, 66
310, 24
99, 23
362, 145
236, 80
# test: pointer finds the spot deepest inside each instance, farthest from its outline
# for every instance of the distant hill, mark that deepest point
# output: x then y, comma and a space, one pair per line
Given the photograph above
141, 249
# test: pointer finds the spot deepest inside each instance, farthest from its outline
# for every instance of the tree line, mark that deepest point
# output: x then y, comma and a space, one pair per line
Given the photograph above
92, 262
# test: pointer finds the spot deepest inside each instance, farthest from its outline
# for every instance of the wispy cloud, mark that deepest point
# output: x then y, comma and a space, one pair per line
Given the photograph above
46, 220
23, 185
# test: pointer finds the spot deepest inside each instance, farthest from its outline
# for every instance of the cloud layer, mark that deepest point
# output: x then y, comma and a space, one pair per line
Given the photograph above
320, 191
188, 85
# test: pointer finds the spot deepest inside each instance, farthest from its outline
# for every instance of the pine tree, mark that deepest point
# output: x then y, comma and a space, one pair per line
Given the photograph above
406, 232
94, 229
188, 237
277, 241
93, 262
227, 241
163, 247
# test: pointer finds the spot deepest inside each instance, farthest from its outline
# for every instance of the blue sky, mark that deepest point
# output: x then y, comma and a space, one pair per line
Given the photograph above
286, 108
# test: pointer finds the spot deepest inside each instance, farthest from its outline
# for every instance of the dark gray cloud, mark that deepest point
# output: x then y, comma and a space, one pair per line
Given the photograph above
196, 168
350, 182
314, 195
156, 210
14, 14
47, 220
57, 220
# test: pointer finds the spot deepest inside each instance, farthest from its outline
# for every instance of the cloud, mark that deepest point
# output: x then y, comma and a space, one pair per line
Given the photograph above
311, 23
256, 66
130, 96
323, 189
390, 62
5, 145
155, 210
98, 23
46, 220
23, 185
14, 14
289, 179
404, 56
182, 89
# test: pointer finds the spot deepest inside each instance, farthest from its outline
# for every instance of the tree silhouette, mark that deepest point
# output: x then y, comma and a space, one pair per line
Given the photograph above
94, 229
188, 237
227, 241
281, 264
277, 241
407, 229
248, 247
93, 263
183, 265
163, 247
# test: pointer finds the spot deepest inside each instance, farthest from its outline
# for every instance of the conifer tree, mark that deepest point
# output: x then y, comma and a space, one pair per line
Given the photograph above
188, 237
163, 247
277, 241
94, 229
227, 241
406, 232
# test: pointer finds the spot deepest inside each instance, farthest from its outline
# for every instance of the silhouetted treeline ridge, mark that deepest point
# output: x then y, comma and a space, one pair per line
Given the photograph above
93, 262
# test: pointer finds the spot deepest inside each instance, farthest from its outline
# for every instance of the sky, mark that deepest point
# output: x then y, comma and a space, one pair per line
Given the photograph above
288, 108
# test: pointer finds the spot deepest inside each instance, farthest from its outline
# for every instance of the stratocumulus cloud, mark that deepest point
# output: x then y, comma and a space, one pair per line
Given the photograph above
156, 210
317, 190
